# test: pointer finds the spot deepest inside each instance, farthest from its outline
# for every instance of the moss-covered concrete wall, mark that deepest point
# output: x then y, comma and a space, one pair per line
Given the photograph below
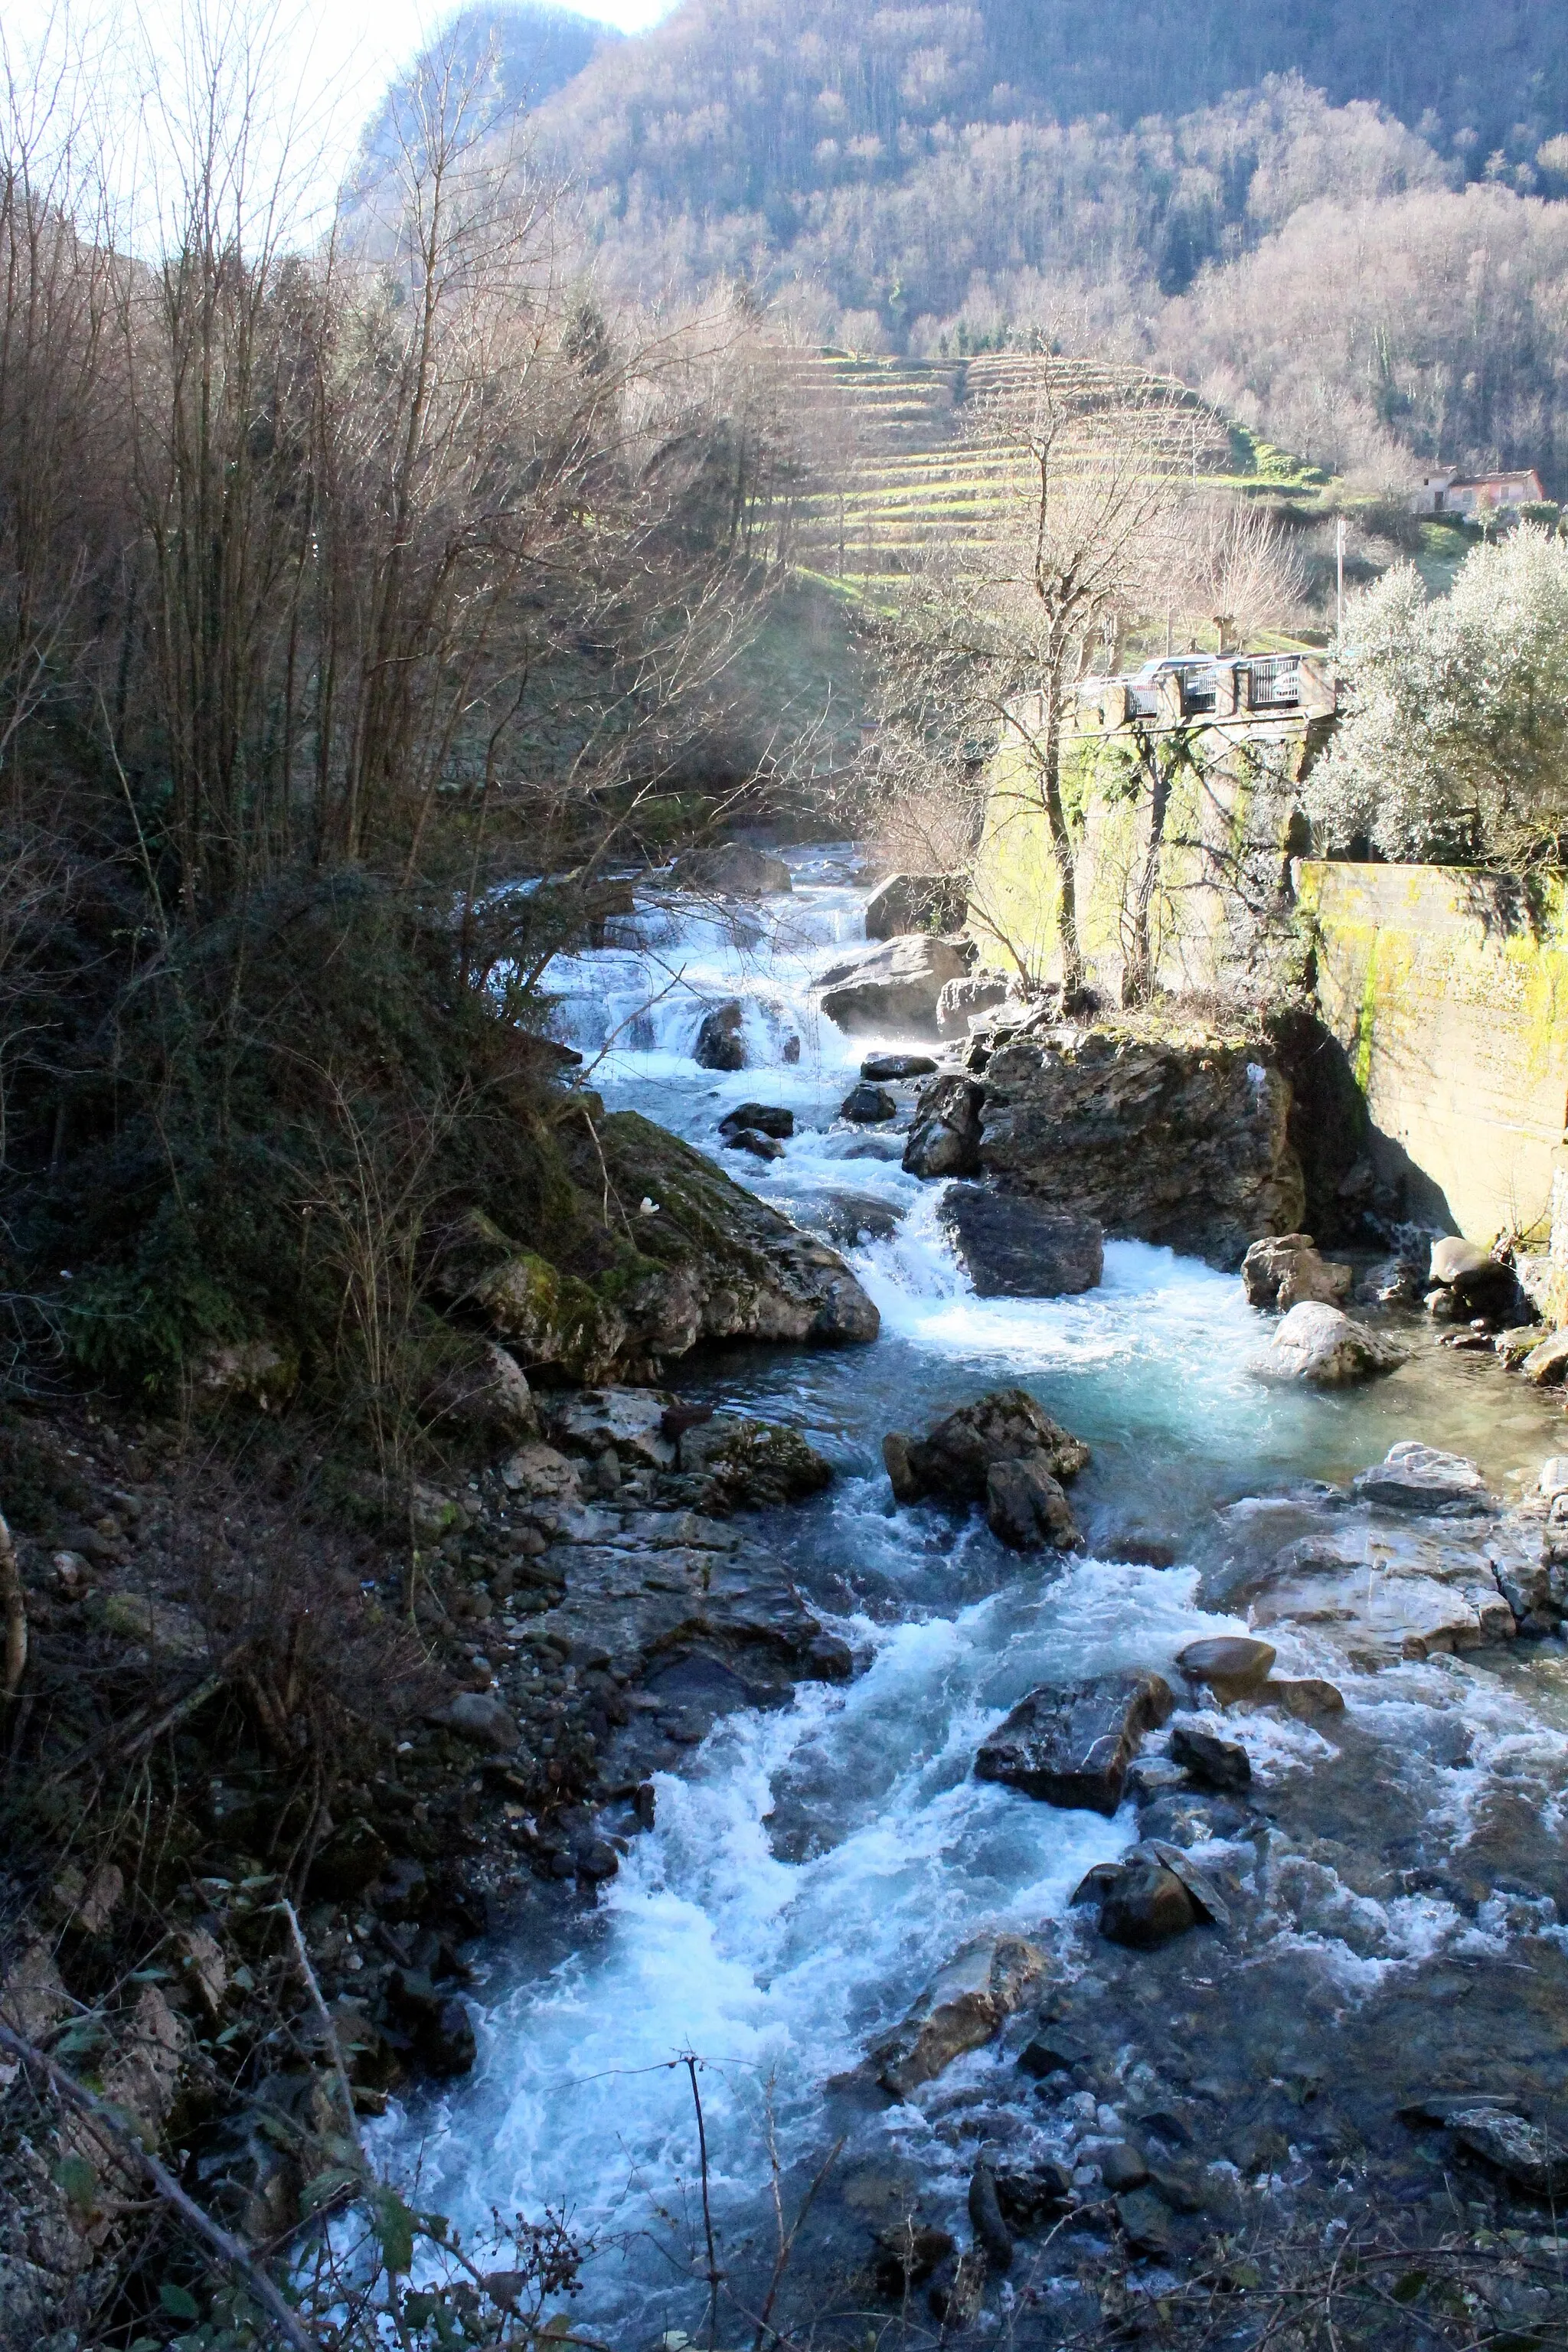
1448, 990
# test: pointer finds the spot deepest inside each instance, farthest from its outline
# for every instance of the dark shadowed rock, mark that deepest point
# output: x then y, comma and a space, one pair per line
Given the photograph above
889, 1068
1122, 2168
721, 1043
1071, 1748
1146, 1904
1213, 1763
955, 1460
917, 902
891, 987
908, 2254
1530, 2155
483, 1721
758, 1146
945, 1137
1012, 1247
763, 1119
963, 2006
1145, 2224
1306, 1700
847, 1218
868, 1106
731, 869
1031, 2193
1027, 1509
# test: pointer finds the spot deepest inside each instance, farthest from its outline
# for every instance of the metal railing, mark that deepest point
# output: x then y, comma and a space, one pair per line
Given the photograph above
1275, 681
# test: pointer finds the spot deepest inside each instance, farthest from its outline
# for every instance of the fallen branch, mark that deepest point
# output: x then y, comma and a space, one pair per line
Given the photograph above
122, 1737
121, 2140
323, 2019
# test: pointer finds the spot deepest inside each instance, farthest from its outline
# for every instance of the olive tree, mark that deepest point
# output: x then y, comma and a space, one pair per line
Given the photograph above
1454, 743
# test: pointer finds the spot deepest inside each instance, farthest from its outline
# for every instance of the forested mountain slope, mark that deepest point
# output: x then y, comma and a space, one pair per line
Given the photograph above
1342, 223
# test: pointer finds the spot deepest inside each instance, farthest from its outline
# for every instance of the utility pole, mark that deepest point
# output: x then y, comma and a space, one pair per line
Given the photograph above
1339, 583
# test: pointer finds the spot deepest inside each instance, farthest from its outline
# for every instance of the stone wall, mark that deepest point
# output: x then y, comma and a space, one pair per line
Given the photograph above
1448, 991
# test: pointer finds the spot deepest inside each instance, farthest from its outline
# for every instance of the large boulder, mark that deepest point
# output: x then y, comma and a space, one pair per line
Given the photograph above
751, 1465
1283, 1269
962, 2007
917, 902
1178, 1139
1323, 1347
631, 1420
1072, 1747
868, 1105
1467, 1281
945, 1137
731, 869
1027, 1509
1012, 1247
891, 988
702, 1260
761, 1119
1422, 1479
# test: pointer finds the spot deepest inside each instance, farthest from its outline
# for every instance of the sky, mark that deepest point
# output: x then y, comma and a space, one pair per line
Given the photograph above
331, 58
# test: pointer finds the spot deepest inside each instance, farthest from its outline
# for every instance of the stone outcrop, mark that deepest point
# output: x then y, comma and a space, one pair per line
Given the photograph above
1012, 1247
965, 2005
1178, 1139
891, 988
706, 1261
731, 869
1004, 1451
1284, 1270
761, 1119
1325, 1348
1072, 1747
917, 902
751, 1465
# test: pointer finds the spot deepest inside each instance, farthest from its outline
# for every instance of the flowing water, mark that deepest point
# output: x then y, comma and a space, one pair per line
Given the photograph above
816, 1863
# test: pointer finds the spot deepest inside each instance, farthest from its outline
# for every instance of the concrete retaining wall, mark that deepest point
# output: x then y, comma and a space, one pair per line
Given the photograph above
1449, 995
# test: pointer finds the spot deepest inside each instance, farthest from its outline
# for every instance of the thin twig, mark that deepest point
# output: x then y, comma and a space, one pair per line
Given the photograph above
324, 2018
715, 2275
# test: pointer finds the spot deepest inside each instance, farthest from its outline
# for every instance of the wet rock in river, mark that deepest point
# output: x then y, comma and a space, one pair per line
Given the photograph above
1323, 1347
956, 1459
1013, 1247
1027, 1509
990, 2230
961, 2009
753, 1466
1143, 1905
1546, 1365
721, 1039
1031, 2193
908, 2255
1213, 1763
848, 1218
1056, 2049
1306, 1698
1415, 1478
868, 1106
945, 1137
895, 986
761, 1146
1071, 1748
1232, 1666
763, 1119
888, 1069
1282, 1270
1411, 1592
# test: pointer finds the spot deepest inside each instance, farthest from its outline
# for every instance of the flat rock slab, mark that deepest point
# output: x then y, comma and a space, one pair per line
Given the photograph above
629, 1419
1413, 1602
1071, 1748
1013, 1247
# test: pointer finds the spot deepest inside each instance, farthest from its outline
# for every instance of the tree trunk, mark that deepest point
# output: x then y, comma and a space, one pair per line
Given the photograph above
1138, 980
1049, 753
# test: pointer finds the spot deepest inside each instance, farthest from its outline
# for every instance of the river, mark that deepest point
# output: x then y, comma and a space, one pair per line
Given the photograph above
814, 1863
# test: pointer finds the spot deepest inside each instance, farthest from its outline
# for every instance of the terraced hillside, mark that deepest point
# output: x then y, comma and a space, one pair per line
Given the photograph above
901, 459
